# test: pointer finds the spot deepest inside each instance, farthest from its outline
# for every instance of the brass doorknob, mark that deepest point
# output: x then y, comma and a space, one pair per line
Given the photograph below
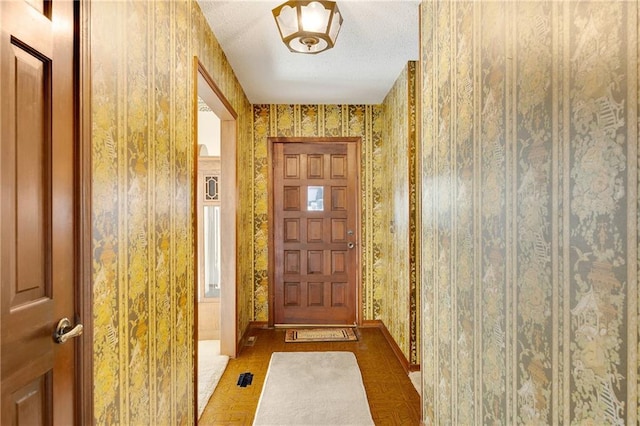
64, 331
351, 245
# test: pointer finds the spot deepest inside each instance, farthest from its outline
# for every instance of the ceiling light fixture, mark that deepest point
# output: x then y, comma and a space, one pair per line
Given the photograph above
308, 26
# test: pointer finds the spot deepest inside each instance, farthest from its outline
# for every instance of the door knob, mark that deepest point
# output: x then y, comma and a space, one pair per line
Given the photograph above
64, 331
351, 245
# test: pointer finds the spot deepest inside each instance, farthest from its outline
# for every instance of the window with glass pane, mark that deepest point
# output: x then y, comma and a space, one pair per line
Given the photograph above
211, 188
315, 198
211, 251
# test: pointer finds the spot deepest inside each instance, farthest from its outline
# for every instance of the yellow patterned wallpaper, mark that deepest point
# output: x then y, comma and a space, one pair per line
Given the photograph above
206, 47
142, 197
398, 289
365, 121
530, 212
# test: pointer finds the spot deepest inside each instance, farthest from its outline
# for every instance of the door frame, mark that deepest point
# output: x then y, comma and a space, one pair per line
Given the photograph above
205, 87
271, 141
84, 226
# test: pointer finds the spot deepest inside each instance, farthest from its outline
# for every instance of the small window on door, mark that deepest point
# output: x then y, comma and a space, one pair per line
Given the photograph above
315, 198
210, 275
211, 188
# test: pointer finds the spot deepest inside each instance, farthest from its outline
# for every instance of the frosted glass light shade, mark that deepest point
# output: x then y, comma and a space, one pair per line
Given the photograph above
308, 26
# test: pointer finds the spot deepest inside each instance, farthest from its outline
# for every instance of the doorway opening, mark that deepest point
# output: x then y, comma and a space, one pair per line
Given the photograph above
314, 250
215, 206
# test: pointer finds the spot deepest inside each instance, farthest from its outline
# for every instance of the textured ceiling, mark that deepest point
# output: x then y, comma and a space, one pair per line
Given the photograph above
376, 41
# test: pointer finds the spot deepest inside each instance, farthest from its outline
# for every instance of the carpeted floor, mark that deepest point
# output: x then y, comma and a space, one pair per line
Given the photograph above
415, 378
211, 365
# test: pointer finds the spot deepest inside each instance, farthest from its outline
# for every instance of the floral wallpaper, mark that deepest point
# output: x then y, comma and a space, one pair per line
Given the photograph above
142, 204
529, 196
399, 287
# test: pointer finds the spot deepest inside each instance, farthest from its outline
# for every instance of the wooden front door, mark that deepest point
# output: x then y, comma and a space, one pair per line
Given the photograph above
37, 213
315, 220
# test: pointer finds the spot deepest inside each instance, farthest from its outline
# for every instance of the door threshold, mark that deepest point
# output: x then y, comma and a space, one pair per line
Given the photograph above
315, 325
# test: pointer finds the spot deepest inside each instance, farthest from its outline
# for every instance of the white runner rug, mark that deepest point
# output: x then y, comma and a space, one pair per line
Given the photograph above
211, 365
415, 378
313, 388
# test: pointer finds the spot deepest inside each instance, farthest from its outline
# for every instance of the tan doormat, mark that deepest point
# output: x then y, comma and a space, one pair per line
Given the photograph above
320, 335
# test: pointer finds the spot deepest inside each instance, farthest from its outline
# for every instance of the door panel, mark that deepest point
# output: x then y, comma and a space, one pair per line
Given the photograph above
315, 232
32, 156
28, 401
36, 210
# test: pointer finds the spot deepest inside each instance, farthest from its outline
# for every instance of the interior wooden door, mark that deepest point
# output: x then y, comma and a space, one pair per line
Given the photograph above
37, 249
315, 221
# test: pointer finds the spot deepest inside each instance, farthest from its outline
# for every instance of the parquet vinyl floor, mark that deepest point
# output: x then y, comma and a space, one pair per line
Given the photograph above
392, 398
